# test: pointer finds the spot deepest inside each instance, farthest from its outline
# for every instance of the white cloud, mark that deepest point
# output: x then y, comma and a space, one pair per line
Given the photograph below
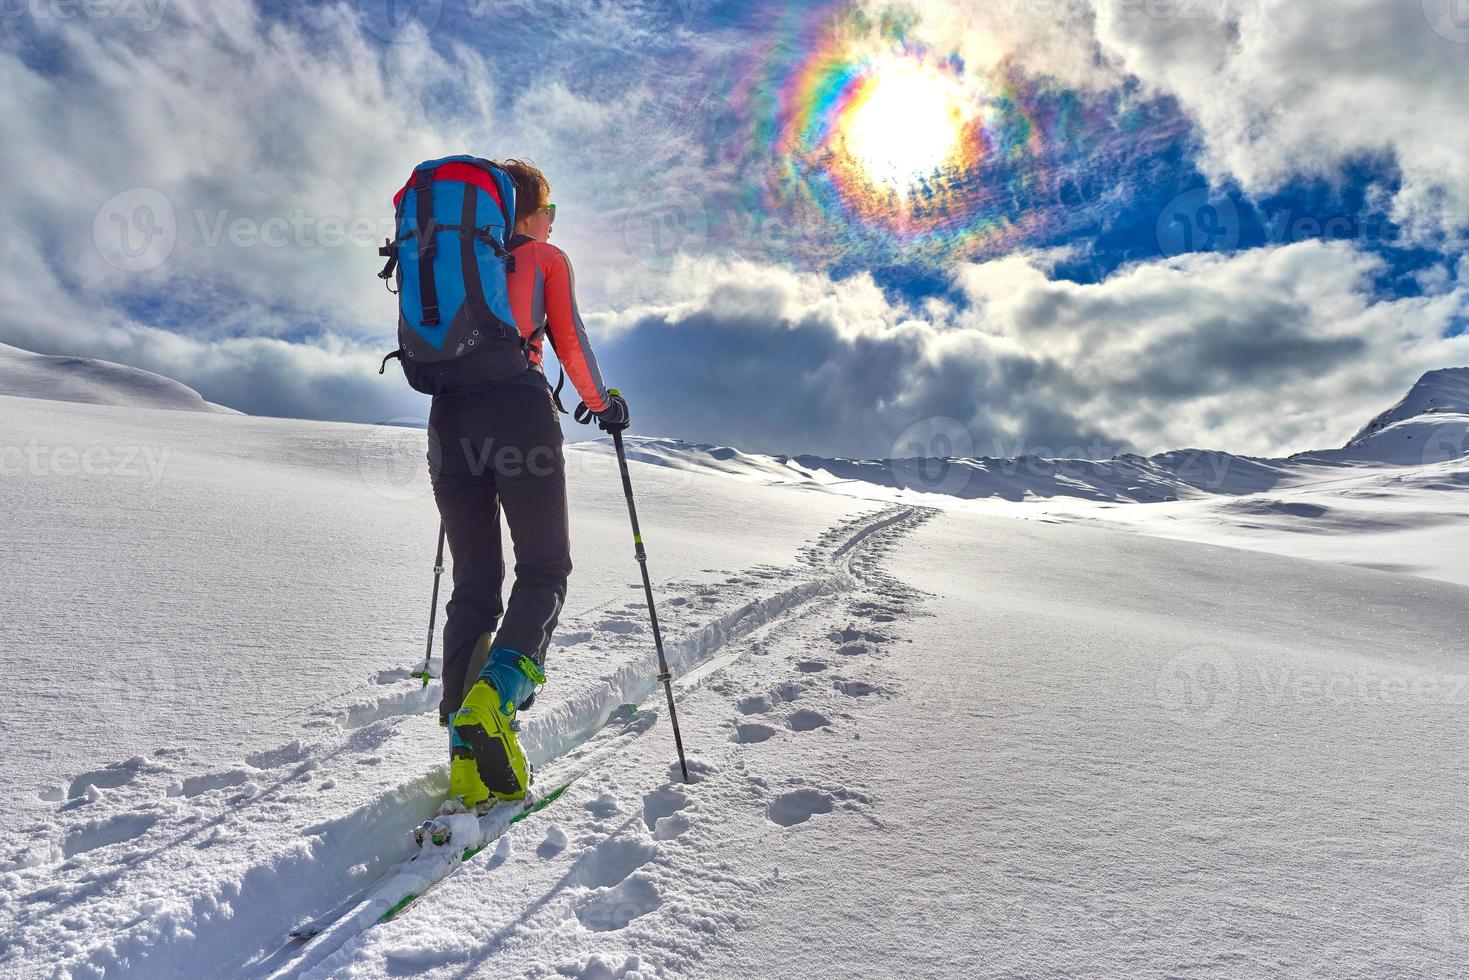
270, 151
1290, 87
1267, 352
1279, 89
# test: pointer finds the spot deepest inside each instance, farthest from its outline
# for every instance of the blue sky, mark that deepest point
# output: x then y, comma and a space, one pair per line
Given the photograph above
1088, 226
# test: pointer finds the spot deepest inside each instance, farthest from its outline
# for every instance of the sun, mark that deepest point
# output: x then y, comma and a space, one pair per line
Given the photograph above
907, 118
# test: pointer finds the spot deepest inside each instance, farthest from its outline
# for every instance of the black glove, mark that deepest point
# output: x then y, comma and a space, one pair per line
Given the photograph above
614, 418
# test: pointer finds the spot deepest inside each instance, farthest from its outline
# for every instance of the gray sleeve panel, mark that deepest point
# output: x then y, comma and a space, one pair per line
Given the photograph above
581, 330
538, 302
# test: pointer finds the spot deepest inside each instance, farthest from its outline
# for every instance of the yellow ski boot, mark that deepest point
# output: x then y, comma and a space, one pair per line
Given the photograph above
486, 724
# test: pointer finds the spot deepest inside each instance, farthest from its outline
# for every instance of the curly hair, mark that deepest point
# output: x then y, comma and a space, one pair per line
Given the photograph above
532, 189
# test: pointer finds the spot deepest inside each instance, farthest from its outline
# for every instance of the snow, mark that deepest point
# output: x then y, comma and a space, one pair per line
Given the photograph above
1392, 499
93, 382
1445, 391
928, 737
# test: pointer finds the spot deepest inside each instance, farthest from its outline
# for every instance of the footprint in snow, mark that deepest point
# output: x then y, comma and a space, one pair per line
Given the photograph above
798, 806
752, 733
616, 908
611, 862
276, 758
115, 830
807, 720
662, 803
857, 689
671, 826
110, 777
619, 626
391, 676
758, 704
199, 785
755, 704
810, 666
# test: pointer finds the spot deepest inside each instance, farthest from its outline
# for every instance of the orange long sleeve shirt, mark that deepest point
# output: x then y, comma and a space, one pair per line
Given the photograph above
543, 300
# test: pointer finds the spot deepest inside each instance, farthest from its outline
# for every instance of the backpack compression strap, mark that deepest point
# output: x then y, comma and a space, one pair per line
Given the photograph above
427, 287
428, 290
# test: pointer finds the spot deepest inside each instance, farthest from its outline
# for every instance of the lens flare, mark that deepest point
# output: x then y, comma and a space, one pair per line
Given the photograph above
907, 122
872, 143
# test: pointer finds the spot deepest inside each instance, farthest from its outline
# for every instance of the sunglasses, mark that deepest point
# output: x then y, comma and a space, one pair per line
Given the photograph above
550, 210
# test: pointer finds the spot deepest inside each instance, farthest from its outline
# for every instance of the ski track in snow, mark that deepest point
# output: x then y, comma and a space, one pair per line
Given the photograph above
148, 869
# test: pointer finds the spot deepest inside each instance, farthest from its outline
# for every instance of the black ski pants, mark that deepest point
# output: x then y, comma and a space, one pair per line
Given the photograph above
488, 450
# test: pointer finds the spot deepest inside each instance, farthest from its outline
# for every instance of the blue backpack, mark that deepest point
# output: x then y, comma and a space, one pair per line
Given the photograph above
456, 332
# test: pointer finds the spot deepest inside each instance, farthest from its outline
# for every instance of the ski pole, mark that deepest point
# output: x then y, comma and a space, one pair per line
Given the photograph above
433, 611
642, 556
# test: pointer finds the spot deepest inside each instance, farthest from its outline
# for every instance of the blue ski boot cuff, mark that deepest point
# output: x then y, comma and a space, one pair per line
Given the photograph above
514, 677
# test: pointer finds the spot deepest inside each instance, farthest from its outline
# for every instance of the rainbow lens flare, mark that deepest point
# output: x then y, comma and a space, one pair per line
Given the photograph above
889, 148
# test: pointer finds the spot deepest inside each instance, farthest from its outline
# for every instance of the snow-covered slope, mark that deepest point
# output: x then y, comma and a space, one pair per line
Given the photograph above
1429, 426
925, 742
1392, 499
93, 382
1444, 392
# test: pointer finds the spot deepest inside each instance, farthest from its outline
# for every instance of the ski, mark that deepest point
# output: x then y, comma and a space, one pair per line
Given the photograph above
517, 812
464, 834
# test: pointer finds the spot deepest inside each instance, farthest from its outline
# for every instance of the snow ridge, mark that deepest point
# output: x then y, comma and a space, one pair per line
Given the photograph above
94, 382
1442, 392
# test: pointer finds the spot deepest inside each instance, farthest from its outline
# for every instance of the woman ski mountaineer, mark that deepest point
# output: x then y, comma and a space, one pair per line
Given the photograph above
500, 446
